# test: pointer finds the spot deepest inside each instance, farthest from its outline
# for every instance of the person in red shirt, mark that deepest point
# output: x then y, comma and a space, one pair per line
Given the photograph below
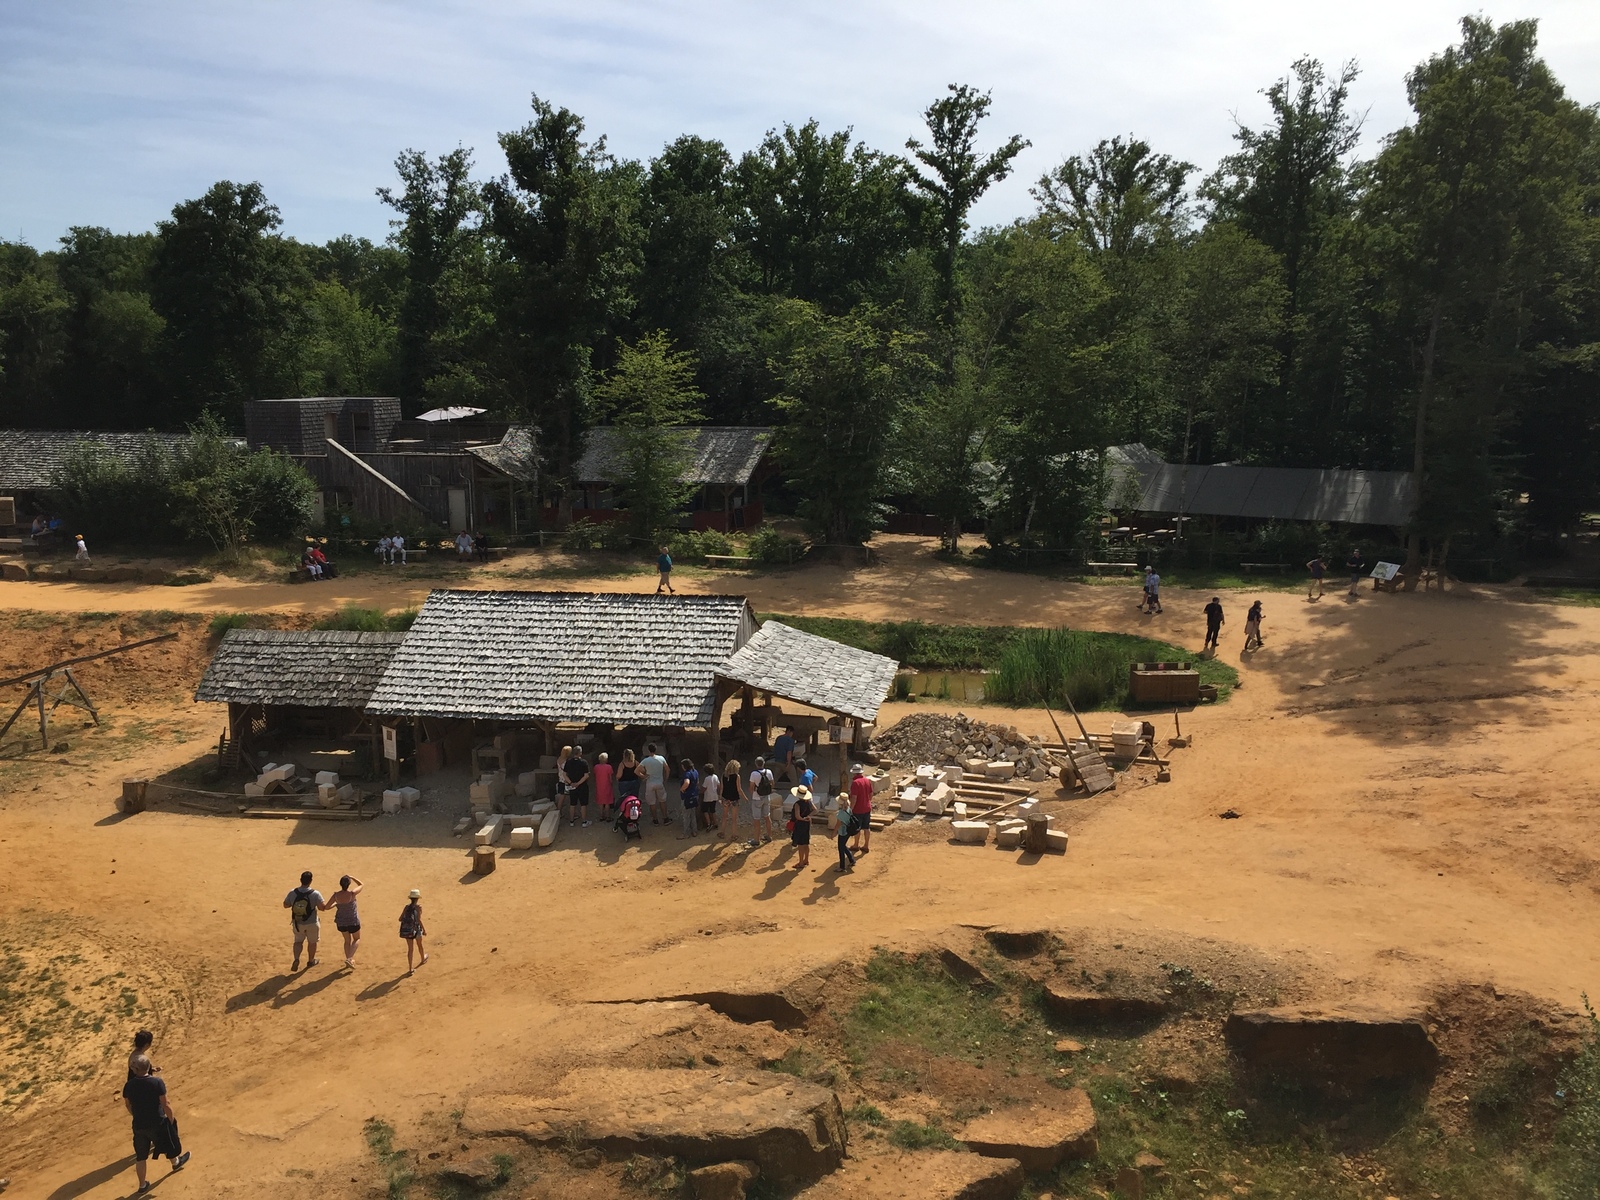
604, 778
861, 808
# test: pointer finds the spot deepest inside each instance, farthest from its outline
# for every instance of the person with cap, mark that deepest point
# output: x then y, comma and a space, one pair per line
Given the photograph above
411, 929
839, 817
1214, 621
861, 808
83, 548
800, 819
155, 1128
758, 797
304, 904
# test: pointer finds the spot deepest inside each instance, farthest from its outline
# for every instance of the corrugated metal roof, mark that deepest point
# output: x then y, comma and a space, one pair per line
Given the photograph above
1270, 493
722, 454
318, 668
813, 670
31, 458
622, 658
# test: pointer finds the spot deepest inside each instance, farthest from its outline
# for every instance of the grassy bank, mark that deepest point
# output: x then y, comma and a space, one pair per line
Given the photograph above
1026, 665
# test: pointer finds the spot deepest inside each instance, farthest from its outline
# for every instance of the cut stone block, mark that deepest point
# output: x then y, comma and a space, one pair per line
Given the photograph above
328, 796
325, 778
539, 807
282, 772
1008, 839
462, 826
974, 833
1038, 775
409, 796
549, 827
792, 1128
921, 1175
1055, 841
1346, 1047
1027, 806
1040, 1138
1075, 1005
346, 791
254, 789
523, 838
490, 833
391, 802
1000, 769
953, 774
974, 766
961, 810
880, 784
480, 796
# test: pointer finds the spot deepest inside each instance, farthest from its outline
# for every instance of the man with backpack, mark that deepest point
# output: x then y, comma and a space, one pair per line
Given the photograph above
759, 798
304, 903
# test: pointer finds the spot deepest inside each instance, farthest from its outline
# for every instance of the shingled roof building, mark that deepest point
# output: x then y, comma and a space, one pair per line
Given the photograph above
281, 682
726, 463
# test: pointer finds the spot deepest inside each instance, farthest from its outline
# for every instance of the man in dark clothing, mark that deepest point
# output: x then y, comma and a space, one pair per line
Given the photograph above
154, 1126
1354, 564
1213, 624
577, 772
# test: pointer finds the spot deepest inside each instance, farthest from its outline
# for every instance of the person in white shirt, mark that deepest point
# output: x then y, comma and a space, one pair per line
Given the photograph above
463, 546
383, 550
83, 549
654, 770
397, 545
758, 798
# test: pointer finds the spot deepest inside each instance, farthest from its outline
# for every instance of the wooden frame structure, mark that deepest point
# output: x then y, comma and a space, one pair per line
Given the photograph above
40, 680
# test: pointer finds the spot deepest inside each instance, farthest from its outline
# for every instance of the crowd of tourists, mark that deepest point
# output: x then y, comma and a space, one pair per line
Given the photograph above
728, 802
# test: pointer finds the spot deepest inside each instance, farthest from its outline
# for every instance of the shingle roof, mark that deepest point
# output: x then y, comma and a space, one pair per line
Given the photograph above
319, 668
31, 458
813, 670
724, 454
515, 454
628, 659
1268, 493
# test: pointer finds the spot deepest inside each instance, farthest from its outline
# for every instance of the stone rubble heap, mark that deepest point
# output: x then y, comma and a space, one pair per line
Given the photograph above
942, 738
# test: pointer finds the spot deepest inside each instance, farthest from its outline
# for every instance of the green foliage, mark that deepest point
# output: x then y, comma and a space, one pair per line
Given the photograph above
767, 545
691, 545
597, 535
395, 1164
1046, 665
222, 622
914, 999
927, 647
368, 620
649, 398
1578, 1136
908, 1135
868, 1114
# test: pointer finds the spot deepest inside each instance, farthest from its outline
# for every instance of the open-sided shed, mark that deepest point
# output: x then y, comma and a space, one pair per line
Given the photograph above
287, 681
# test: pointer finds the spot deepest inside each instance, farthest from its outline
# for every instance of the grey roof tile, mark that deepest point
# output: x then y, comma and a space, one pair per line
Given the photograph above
317, 668
623, 658
30, 458
724, 454
516, 454
813, 670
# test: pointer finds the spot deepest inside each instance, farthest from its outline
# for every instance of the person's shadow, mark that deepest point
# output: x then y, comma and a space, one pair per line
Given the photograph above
259, 994
87, 1183
377, 991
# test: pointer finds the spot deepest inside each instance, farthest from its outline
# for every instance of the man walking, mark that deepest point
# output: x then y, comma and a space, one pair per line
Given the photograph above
1318, 569
861, 808
1214, 620
1152, 589
664, 566
304, 903
1355, 566
576, 769
655, 785
155, 1129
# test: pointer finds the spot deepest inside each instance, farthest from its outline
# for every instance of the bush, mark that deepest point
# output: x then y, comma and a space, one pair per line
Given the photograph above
368, 620
1048, 665
222, 622
767, 545
1578, 1136
693, 545
597, 535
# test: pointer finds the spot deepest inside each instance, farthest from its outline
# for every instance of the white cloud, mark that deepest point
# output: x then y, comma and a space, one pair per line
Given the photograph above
110, 114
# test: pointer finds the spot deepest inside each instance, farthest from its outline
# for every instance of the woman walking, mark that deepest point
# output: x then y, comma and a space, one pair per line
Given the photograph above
1252, 627
412, 930
800, 819
346, 920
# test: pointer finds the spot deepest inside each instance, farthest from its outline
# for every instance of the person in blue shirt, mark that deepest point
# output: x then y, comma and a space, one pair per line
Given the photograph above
783, 755
664, 565
689, 799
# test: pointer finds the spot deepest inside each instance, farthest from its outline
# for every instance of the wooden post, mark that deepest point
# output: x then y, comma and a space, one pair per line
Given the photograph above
1034, 840
132, 798
483, 860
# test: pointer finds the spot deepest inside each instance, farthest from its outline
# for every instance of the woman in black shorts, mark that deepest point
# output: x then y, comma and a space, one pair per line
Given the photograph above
347, 920
801, 837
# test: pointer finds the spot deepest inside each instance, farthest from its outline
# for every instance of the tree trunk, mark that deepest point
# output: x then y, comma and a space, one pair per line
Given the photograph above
1412, 570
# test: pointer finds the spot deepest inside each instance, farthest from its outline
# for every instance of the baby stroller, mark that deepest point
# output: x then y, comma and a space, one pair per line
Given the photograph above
628, 818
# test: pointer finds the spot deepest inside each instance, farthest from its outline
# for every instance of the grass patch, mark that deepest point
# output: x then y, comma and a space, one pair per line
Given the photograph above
395, 1164
222, 622
1046, 665
1577, 597
908, 1135
368, 620
915, 1000
919, 644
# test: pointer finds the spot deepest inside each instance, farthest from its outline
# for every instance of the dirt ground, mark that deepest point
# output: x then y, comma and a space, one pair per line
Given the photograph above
1413, 778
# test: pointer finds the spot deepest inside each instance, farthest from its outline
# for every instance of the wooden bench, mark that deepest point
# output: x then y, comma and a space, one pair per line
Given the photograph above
728, 560
1124, 567
1251, 568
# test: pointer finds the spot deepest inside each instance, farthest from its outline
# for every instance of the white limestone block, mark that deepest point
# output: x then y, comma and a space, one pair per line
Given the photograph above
1000, 769
910, 800
324, 778
549, 827
463, 825
934, 803
254, 789
523, 839
953, 773
409, 796
1008, 839
1055, 840
490, 833
974, 833
391, 802
539, 807
961, 810
1027, 806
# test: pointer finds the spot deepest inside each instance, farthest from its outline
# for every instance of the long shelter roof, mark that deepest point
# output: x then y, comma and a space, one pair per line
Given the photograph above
719, 454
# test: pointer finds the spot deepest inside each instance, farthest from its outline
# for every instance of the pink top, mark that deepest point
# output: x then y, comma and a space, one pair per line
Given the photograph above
603, 775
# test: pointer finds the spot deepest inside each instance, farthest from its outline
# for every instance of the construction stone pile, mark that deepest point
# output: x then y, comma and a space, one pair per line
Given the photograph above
941, 738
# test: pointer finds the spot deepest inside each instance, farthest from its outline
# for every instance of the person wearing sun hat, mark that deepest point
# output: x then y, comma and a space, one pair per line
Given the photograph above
800, 818
412, 931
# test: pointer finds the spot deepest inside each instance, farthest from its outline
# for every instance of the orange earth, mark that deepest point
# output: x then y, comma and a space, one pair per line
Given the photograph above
1413, 777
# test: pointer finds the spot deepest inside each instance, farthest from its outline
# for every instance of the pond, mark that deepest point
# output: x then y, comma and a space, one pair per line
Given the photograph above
943, 685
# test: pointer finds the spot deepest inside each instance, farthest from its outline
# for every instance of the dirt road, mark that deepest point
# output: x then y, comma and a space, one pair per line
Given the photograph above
1413, 778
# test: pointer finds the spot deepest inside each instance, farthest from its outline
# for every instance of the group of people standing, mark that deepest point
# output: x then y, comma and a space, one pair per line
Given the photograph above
719, 801
306, 906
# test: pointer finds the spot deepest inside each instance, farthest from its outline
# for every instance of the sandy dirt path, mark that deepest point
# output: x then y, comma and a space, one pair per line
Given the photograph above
1413, 777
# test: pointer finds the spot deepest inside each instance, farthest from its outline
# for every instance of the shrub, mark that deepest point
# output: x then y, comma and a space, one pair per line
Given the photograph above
368, 620
767, 545
1047, 665
1578, 1135
222, 622
596, 535
693, 545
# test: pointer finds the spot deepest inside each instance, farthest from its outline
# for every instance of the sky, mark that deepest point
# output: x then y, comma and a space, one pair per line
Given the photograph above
112, 112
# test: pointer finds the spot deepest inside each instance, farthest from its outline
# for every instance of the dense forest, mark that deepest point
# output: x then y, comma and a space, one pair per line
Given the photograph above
1433, 308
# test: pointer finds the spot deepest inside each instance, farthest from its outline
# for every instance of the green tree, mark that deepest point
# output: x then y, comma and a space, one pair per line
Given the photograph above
229, 497
1121, 199
1483, 206
110, 376
649, 398
224, 283
33, 312
846, 384
439, 206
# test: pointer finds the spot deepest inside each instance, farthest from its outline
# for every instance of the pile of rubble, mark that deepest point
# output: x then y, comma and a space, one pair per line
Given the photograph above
941, 738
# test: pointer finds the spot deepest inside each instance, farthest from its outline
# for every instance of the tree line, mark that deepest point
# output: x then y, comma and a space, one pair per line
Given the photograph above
1431, 308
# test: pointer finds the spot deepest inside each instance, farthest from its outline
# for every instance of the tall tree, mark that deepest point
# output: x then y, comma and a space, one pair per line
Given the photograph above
33, 312
565, 218
1120, 199
439, 206
648, 398
223, 282
110, 369
1482, 207
955, 175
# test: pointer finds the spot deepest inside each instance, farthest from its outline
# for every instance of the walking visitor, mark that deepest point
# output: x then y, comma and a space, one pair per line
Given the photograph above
664, 567
861, 808
841, 824
654, 769
1252, 627
1214, 620
800, 826
689, 799
142, 1041
83, 548
1152, 590
155, 1128
1318, 569
577, 774
710, 797
411, 929
605, 780
304, 903
1355, 565
347, 920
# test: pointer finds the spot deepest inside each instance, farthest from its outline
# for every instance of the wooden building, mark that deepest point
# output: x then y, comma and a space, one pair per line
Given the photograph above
727, 464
